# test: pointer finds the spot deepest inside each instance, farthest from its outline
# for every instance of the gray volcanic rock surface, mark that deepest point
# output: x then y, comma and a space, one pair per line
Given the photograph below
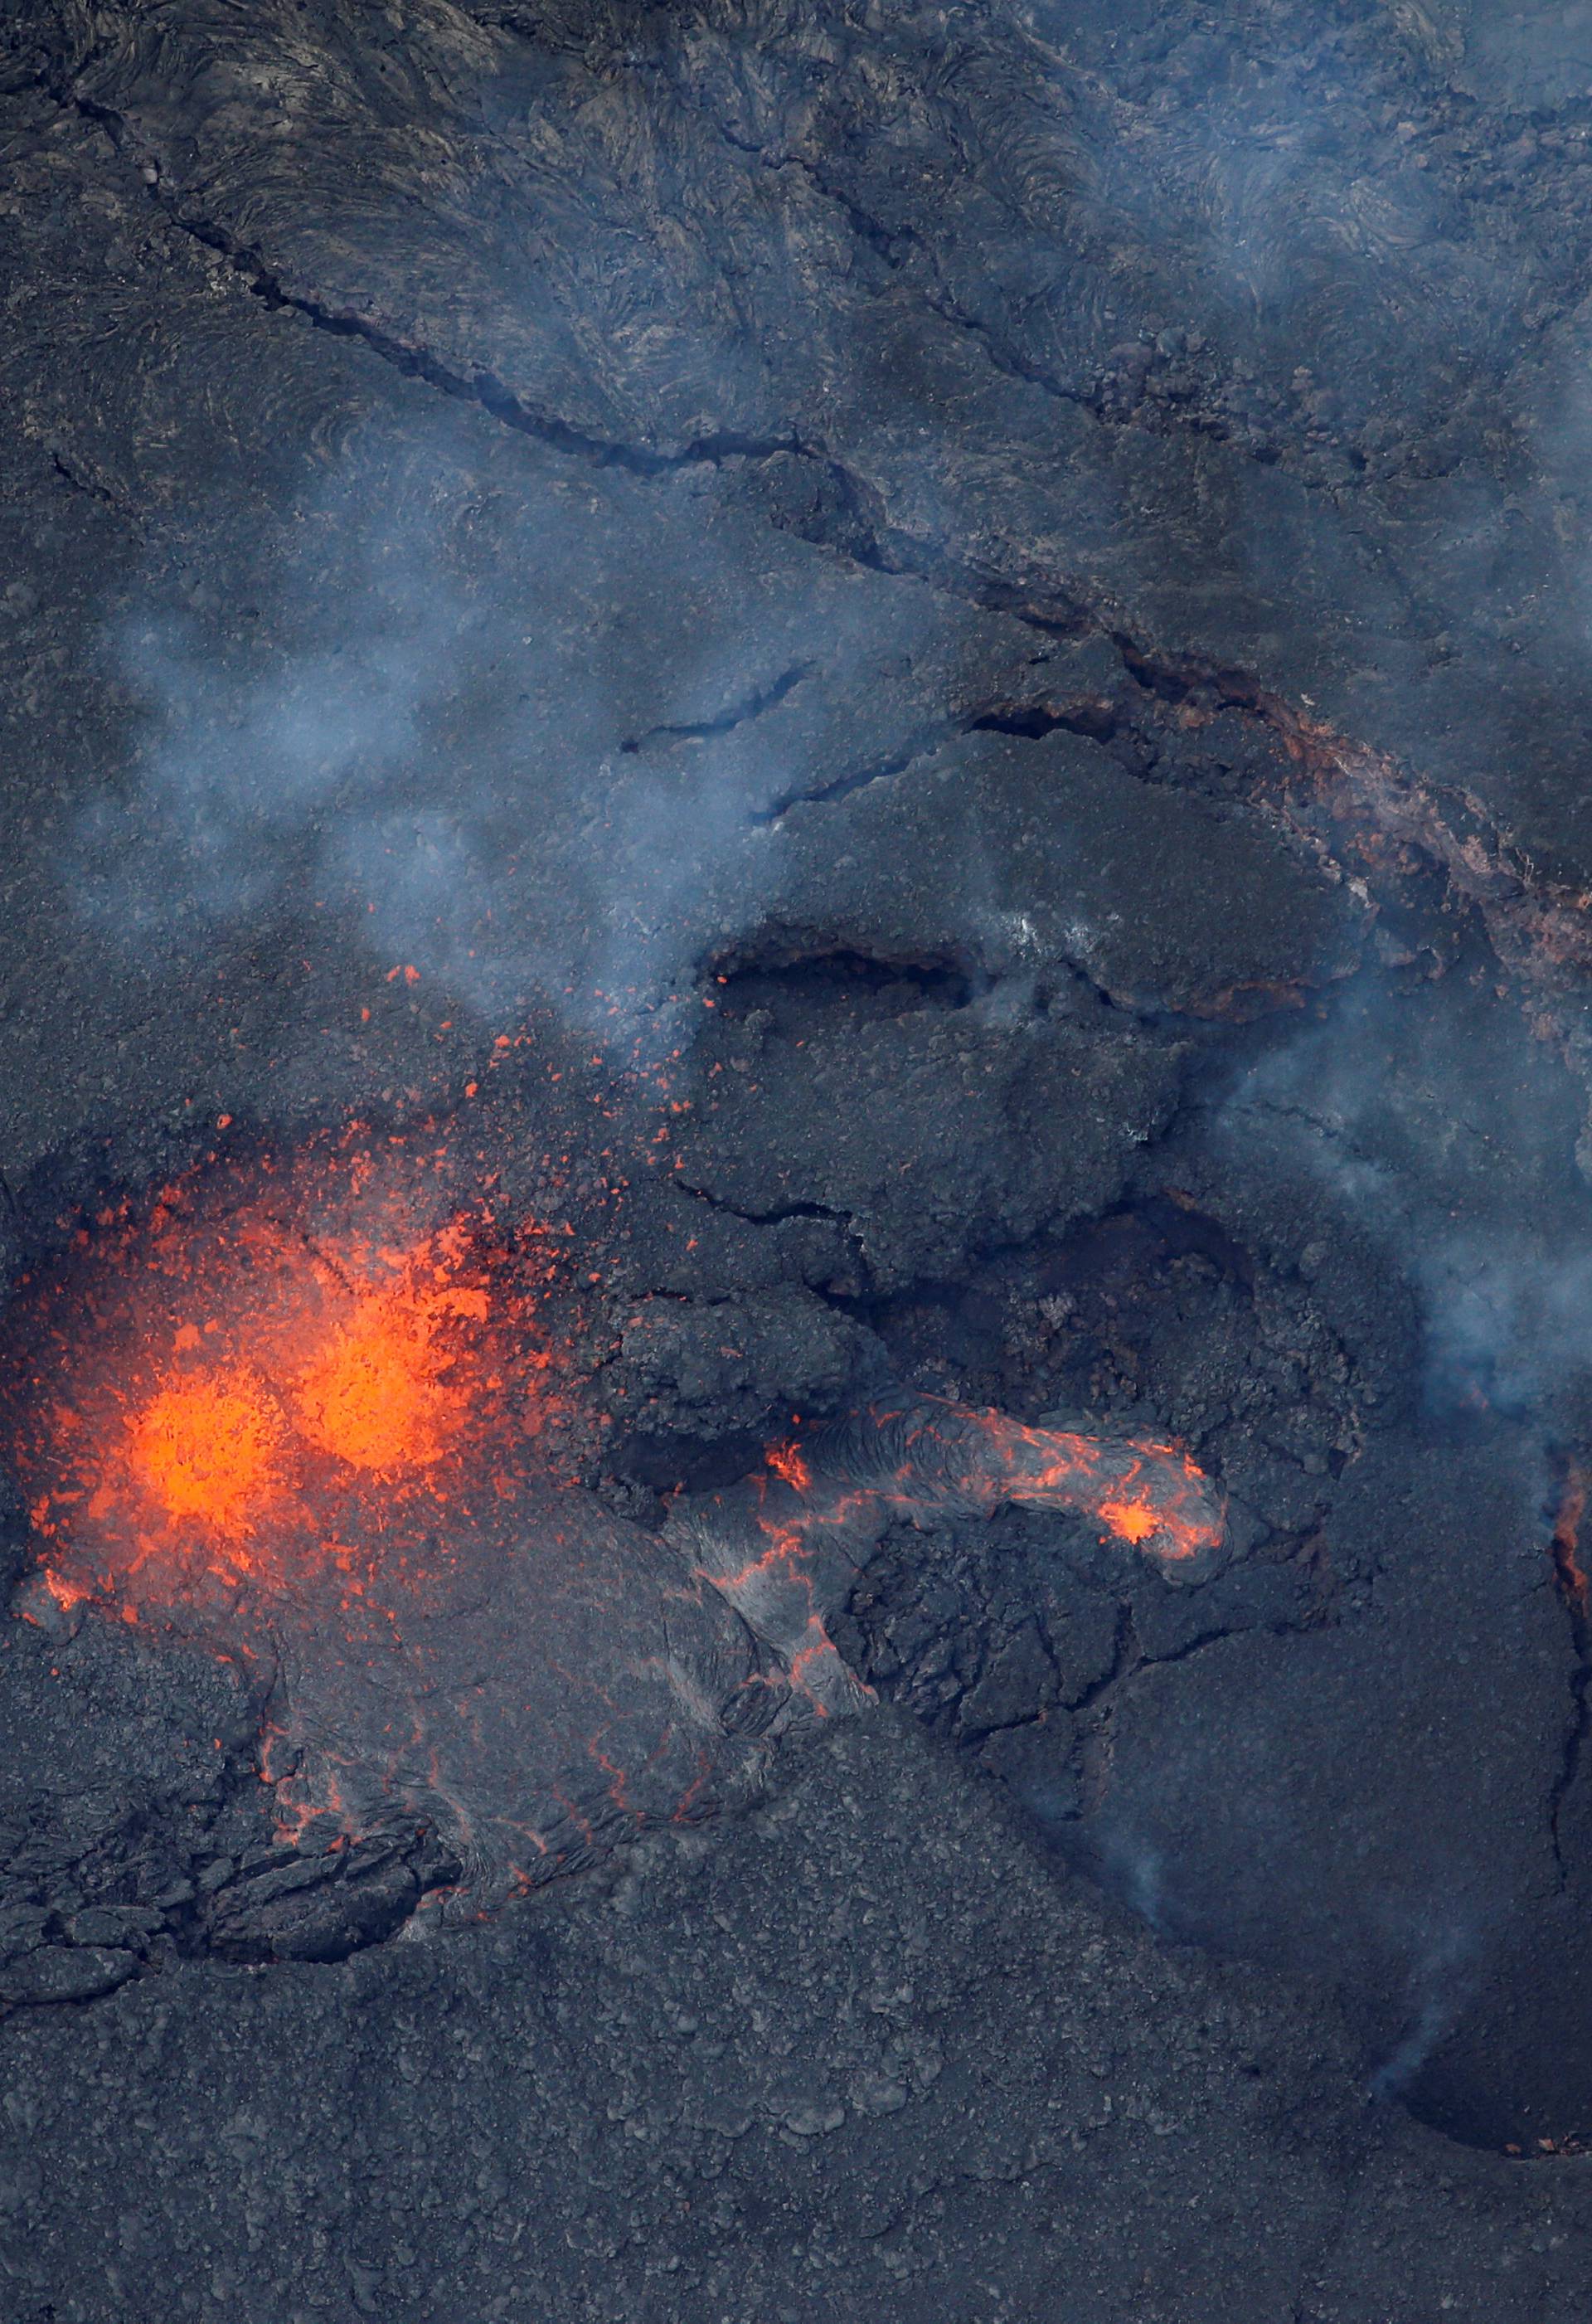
921, 674
861, 2056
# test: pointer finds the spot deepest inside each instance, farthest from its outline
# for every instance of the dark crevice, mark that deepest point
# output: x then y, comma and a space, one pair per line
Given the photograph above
893, 244
768, 972
767, 697
887, 241
1039, 605
78, 481
477, 385
870, 542
1153, 414
483, 387
1120, 1004
1096, 720
858, 780
1129, 1658
773, 1216
852, 1303
1569, 1577
1163, 391
1127, 1655
1001, 358
1341, 801
1190, 1647
834, 975
296, 1906
1181, 680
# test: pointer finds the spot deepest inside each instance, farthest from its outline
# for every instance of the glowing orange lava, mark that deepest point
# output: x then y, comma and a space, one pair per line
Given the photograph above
784, 1545
1566, 1542
786, 1461
210, 1448
284, 1370
1130, 1520
374, 1394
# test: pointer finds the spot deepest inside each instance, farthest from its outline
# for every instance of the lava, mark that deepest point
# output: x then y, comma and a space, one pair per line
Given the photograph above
924, 1452
1565, 1546
209, 1448
280, 1374
295, 1410
785, 1546
373, 1394
1132, 1521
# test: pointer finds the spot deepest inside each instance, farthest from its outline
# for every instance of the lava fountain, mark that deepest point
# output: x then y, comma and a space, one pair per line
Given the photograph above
271, 1382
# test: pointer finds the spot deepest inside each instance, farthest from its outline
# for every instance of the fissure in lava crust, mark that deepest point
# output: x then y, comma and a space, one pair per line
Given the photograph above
306, 1411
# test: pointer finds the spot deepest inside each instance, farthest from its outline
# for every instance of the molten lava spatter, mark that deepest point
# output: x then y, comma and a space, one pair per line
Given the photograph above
278, 1361
376, 1392
209, 1448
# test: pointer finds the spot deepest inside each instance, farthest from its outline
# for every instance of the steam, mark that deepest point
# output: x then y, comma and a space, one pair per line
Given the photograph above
531, 744
245, 758
1135, 1870
1441, 1978
375, 752
1508, 1321
1447, 1138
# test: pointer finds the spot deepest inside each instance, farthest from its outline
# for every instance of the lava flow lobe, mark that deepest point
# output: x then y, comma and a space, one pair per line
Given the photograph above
299, 1413
787, 1546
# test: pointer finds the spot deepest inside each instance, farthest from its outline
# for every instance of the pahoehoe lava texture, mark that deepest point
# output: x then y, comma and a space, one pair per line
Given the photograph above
877, 718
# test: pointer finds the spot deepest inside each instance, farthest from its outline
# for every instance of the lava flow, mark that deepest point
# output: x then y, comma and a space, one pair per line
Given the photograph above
922, 1451
785, 1547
